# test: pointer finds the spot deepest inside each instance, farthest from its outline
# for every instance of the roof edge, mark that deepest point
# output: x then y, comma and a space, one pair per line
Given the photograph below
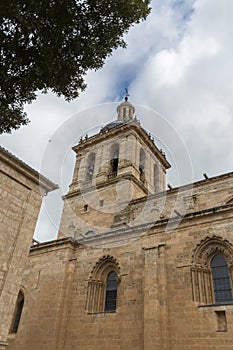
23, 168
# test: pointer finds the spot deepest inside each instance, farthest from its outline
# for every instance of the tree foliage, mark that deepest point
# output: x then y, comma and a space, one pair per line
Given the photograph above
51, 44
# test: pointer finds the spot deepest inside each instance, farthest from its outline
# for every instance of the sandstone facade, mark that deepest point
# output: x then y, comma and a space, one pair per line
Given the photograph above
160, 247
21, 192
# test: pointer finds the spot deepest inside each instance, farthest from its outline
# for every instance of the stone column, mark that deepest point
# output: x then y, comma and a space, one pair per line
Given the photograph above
102, 162
74, 184
76, 169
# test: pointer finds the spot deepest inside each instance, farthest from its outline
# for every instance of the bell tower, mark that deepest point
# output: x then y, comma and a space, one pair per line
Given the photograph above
119, 164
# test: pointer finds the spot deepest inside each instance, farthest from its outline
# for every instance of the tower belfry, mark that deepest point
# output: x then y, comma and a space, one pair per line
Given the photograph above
117, 165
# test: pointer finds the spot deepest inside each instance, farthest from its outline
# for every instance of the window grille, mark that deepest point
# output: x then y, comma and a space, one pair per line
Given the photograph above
212, 271
102, 286
221, 279
111, 292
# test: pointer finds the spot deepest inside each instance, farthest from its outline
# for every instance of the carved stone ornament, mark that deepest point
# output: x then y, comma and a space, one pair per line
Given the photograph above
209, 247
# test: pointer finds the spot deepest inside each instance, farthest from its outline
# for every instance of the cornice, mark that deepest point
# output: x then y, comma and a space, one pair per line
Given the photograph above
190, 186
54, 244
122, 129
130, 232
24, 169
107, 183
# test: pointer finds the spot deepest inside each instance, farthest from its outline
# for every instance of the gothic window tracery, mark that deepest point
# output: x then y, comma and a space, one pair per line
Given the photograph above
212, 271
103, 286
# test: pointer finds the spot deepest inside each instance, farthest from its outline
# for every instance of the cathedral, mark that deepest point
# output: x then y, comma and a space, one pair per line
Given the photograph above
135, 265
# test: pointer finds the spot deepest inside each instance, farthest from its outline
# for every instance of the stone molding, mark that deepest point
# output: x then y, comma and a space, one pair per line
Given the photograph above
24, 169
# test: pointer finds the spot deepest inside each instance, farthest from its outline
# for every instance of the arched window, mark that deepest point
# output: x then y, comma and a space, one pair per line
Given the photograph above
90, 166
103, 285
221, 279
114, 160
111, 292
142, 162
212, 271
17, 313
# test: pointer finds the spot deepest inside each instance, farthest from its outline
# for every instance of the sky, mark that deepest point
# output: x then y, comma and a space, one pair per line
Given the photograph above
178, 68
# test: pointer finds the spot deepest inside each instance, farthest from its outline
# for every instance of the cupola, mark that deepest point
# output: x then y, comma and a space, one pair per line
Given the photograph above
125, 111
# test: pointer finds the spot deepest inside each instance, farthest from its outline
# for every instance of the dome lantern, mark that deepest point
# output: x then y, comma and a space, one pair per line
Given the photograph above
125, 110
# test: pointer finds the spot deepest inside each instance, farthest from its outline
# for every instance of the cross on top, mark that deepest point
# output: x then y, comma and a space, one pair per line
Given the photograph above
126, 94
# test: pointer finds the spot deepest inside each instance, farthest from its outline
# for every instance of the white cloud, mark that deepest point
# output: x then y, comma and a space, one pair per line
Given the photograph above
192, 84
178, 62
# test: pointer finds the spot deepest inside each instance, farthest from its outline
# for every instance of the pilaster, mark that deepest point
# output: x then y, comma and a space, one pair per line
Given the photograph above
155, 305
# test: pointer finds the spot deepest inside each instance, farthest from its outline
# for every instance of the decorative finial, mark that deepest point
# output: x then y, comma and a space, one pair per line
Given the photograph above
126, 94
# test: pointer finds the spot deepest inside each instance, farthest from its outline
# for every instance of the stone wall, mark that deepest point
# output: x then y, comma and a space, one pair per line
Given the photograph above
155, 304
21, 196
